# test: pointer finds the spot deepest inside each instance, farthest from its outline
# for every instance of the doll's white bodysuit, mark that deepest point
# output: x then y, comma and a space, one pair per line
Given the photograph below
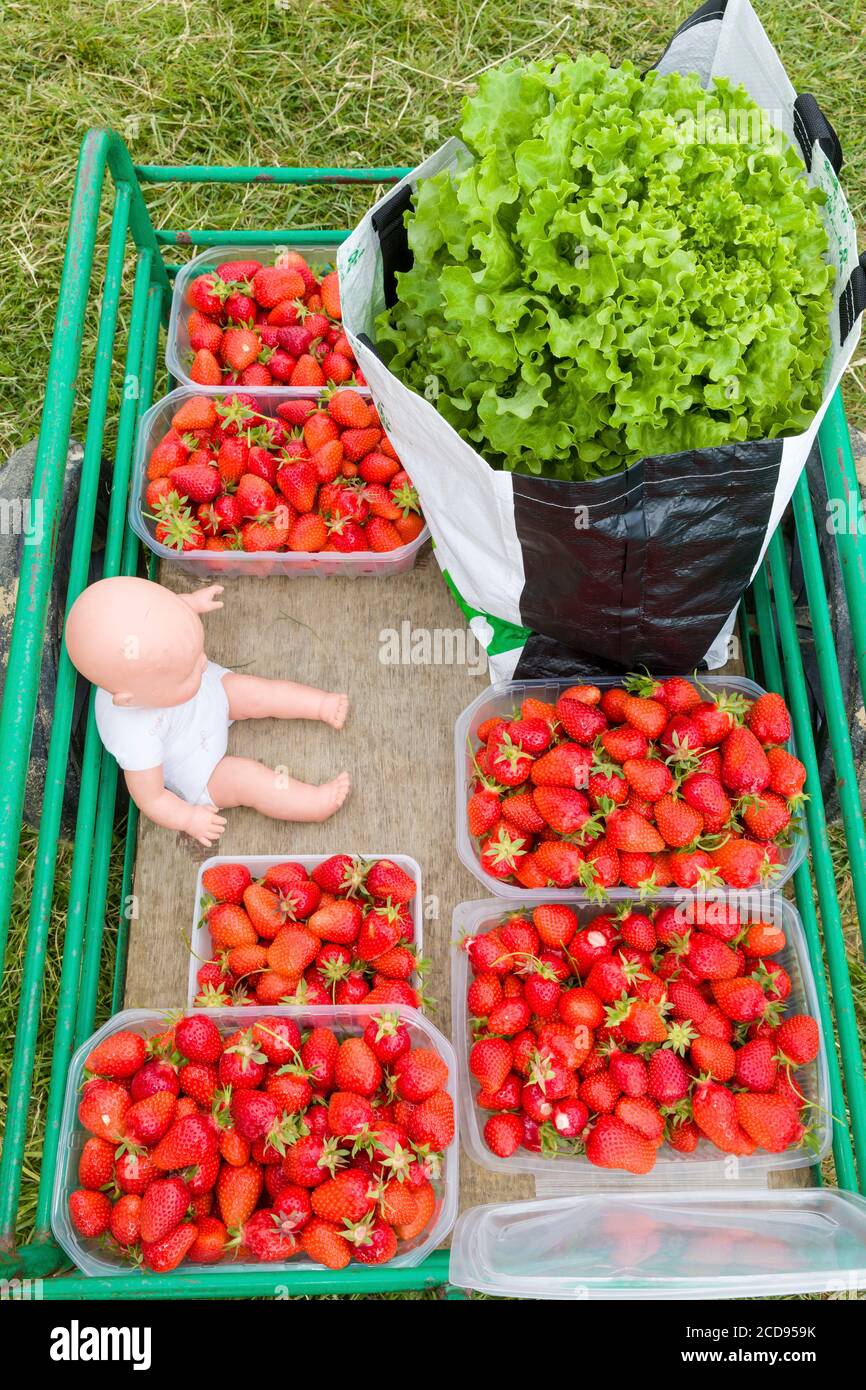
186, 740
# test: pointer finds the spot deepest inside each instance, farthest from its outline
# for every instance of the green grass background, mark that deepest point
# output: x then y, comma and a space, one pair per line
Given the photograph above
294, 82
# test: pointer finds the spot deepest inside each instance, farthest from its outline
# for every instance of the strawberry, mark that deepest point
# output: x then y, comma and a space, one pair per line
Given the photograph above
329, 289
642, 1114
706, 794
237, 1191
555, 923
125, 1222
769, 719
646, 715
199, 1039
482, 812
567, 765
326, 1243
147, 1120
299, 483
210, 1243
319, 1057
163, 1207
346, 1197
715, 1113
236, 272
357, 1068
614, 1144
648, 777
629, 1071
678, 695
798, 1039
710, 959
771, 1122
349, 409
765, 816
118, 1056
205, 369
309, 533
713, 1057
755, 1065
489, 1062
189, 1140
204, 332
196, 413
272, 284
230, 926
643, 1023
678, 822
627, 830
385, 879
164, 1255
503, 1134
102, 1109
667, 1077
740, 999
96, 1163
432, 1121
744, 762
89, 1212
739, 862
787, 774
564, 809
582, 722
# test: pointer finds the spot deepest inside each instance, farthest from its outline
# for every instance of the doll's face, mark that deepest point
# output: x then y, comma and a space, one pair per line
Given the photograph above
139, 641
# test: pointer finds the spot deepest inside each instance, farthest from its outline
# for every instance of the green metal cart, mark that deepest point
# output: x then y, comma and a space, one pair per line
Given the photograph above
771, 648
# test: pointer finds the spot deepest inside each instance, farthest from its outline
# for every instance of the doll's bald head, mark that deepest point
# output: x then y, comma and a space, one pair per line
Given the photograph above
137, 640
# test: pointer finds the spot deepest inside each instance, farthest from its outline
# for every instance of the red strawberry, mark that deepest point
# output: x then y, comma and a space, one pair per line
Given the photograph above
744, 762
102, 1109
503, 1134
482, 812
164, 1255
614, 1144
769, 719
350, 409
489, 1062
710, 959
555, 923
347, 1197
713, 1057
309, 533
385, 879
326, 1243
163, 1207
148, 1119
190, 1140
715, 1113
564, 809
739, 862
422, 1071
89, 1212
581, 722
204, 369
118, 1056
432, 1122
299, 483
799, 1039
765, 816
740, 999
649, 777
627, 830
198, 1038
787, 773
649, 716
255, 496
756, 1067
678, 822
567, 765
706, 794
770, 1121
96, 1163
667, 1077
272, 284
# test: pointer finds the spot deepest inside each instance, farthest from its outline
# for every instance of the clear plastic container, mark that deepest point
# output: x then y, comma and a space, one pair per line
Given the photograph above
201, 947
177, 349
502, 700
667, 1245
228, 564
706, 1163
92, 1258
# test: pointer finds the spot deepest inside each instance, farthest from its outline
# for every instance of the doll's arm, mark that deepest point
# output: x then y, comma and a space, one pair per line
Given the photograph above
153, 800
204, 600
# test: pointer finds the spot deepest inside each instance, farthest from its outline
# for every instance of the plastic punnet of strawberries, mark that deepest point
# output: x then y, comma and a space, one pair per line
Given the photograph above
649, 784
261, 1144
342, 934
321, 475
635, 1030
259, 325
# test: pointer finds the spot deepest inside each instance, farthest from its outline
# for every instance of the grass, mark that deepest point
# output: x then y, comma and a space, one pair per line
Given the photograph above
292, 82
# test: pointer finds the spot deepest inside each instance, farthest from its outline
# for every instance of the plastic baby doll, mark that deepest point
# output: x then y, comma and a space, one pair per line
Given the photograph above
163, 710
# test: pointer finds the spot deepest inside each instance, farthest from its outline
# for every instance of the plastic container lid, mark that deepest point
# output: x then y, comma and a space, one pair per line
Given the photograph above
706, 1164
201, 946
501, 700
700, 1245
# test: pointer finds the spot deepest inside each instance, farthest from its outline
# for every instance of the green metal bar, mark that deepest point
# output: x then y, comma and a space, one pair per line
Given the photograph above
200, 237
121, 553
129, 565
836, 713
55, 775
81, 859
843, 1153
253, 1283
822, 865
26, 645
842, 484
227, 173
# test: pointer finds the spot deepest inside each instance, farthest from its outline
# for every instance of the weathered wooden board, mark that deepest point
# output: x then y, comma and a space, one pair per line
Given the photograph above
397, 744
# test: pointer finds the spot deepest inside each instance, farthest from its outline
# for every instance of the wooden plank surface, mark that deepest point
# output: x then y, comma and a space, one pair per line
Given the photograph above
397, 744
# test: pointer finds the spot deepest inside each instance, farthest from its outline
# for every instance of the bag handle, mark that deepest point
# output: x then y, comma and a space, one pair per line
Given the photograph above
852, 300
810, 124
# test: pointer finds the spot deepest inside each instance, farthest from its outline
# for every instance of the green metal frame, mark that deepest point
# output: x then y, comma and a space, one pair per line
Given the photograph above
771, 651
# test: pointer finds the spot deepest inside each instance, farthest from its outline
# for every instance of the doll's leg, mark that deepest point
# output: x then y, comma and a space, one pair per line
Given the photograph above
244, 782
255, 697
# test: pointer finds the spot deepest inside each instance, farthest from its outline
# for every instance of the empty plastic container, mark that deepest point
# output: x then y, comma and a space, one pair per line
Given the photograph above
665, 1245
